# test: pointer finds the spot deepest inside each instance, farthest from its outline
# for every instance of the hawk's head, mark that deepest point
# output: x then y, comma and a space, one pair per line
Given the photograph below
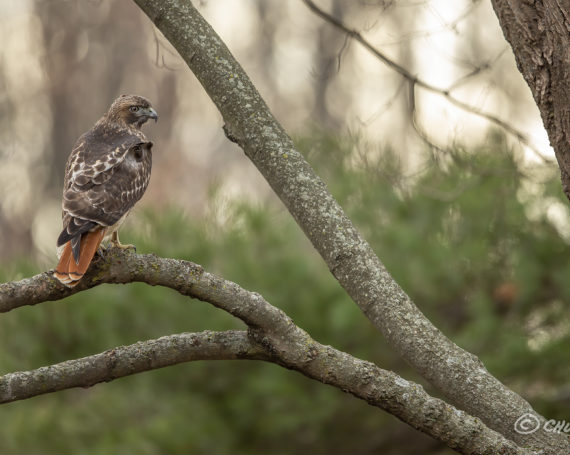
133, 110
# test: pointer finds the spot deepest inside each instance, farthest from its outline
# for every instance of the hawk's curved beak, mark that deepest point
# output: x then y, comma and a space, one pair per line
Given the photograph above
151, 113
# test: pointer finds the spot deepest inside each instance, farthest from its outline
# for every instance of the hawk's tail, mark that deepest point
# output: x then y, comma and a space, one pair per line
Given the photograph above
70, 272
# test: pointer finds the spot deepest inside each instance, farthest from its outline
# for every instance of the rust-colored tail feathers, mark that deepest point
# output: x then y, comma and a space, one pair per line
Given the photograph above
70, 272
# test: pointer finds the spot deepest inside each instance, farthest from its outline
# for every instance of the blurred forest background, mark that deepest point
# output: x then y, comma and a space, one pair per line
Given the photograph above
475, 229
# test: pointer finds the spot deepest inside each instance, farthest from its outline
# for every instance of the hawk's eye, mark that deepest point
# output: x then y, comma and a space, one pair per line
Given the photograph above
134, 108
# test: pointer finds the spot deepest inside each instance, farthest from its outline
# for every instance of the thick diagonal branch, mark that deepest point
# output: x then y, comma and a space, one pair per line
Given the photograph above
272, 336
456, 373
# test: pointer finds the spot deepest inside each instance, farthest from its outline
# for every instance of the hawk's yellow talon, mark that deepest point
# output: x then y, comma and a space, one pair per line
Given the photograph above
117, 244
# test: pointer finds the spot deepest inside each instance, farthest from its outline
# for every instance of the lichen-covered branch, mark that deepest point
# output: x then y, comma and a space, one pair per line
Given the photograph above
127, 360
272, 336
459, 375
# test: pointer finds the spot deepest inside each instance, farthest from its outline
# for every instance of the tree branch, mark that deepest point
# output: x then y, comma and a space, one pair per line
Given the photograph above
272, 336
445, 93
459, 375
127, 360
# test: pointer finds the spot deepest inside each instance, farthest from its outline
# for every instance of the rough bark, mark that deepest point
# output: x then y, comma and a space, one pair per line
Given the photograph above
459, 375
127, 360
271, 336
539, 34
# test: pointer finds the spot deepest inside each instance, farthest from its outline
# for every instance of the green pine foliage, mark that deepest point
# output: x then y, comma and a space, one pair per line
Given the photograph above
477, 241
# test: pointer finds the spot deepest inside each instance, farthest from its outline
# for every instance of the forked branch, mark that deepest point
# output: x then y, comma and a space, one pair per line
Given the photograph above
271, 336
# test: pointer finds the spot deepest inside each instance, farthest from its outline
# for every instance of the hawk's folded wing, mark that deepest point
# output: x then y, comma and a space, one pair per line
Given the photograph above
103, 181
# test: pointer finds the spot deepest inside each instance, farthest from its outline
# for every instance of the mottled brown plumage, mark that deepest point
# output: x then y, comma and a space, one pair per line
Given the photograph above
107, 172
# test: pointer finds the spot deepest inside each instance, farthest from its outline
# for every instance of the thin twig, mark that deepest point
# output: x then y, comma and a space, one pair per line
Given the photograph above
446, 93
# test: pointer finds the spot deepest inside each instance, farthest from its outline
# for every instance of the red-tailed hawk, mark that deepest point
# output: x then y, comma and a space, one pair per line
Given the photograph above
106, 174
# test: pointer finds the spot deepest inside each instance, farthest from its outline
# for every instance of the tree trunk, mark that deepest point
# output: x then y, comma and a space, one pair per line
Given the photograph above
539, 34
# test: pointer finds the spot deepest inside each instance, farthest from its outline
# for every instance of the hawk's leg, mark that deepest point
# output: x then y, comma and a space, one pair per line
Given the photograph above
115, 242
